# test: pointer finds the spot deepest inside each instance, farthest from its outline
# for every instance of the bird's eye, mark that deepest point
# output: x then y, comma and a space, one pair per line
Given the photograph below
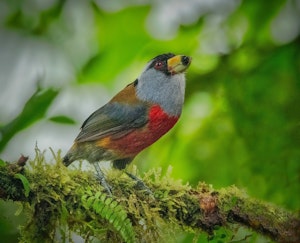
158, 65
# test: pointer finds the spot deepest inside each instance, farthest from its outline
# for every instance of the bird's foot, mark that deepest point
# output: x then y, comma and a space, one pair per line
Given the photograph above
101, 178
140, 184
103, 183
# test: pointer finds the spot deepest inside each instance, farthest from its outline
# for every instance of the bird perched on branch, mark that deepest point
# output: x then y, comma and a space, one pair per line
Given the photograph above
135, 118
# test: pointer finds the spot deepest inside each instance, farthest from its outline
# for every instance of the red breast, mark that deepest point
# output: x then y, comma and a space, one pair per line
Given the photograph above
137, 140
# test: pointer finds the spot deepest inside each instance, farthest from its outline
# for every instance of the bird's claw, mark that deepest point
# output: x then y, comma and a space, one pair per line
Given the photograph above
100, 176
103, 183
140, 184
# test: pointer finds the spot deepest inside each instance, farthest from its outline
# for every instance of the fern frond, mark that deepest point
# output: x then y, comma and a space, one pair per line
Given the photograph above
109, 209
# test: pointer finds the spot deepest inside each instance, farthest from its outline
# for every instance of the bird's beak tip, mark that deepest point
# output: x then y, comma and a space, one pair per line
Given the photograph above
178, 64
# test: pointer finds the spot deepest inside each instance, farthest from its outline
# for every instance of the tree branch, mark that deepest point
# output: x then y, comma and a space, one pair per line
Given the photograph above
72, 200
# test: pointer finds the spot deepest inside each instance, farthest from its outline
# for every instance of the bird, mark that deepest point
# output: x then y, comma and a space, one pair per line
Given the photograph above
134, 118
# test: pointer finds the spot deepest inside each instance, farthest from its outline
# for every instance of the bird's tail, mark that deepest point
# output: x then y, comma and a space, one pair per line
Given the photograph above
70, 156
66, 160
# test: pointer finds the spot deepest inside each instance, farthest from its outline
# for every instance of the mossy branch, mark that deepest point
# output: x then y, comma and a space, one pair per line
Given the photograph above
58, 199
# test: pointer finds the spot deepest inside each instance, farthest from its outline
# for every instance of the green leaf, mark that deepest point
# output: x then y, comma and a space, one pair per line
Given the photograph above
2, 163
34, 110
25, 183
62, 119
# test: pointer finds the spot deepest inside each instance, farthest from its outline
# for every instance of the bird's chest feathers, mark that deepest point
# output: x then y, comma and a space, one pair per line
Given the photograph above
159, 121
134, 142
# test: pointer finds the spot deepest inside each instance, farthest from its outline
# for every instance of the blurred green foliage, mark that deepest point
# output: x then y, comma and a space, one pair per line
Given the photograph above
241, 120
34, 110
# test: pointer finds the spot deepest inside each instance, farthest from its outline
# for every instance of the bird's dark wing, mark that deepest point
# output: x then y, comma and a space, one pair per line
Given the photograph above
113, 119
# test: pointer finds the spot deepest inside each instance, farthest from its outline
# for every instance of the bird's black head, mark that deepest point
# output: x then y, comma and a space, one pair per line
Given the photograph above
169, 63
160, 62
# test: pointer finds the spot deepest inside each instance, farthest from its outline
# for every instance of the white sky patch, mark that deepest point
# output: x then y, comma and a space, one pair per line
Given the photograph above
286, 25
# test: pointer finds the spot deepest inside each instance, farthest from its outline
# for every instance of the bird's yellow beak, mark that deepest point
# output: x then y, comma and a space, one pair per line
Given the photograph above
178, 64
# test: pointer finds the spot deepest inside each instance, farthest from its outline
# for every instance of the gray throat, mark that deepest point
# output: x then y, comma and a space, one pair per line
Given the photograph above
166, 91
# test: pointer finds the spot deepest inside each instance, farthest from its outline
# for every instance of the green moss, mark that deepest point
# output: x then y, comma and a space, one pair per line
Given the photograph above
61, 201
70, 200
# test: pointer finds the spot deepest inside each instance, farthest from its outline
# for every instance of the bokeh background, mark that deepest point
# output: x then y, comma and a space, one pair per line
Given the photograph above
61, 60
